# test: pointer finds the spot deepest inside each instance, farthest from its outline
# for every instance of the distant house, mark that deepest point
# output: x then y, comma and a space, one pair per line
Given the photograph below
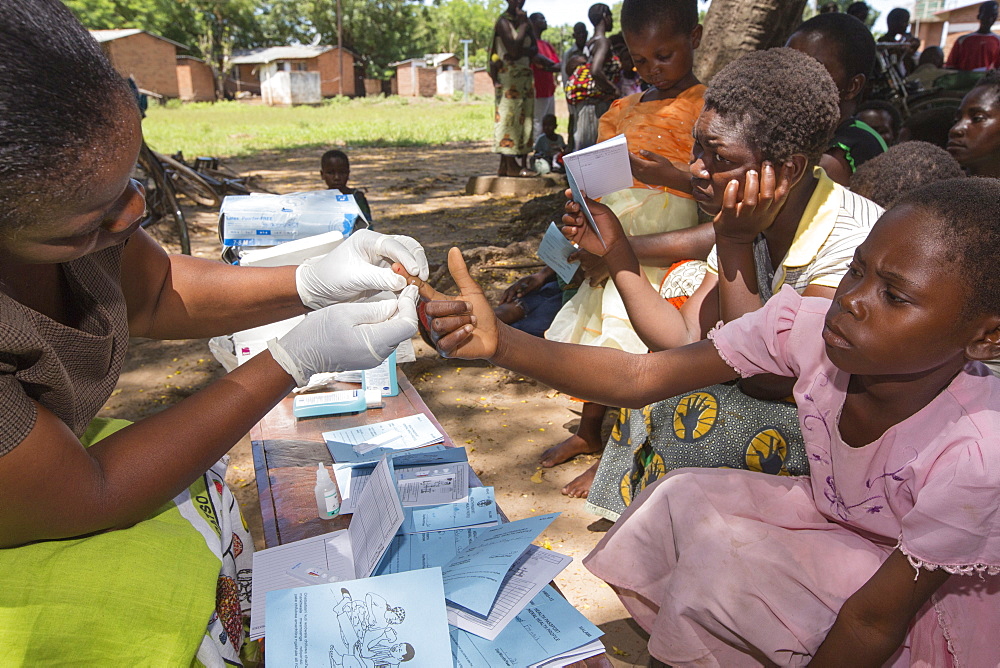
302, 64
433, 74
195, 80
149, 59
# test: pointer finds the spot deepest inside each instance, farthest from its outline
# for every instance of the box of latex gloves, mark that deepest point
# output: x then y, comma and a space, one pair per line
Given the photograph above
261, 219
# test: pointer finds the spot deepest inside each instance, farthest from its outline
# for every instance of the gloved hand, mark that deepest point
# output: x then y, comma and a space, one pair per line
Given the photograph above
344, 337
358, 269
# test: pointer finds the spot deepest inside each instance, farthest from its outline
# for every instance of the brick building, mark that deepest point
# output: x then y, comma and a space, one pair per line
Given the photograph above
430, 75
326, 60
149, 59
942, 22
195, 81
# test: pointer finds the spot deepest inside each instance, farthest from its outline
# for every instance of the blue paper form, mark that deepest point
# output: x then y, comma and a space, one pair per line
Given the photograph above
550, 625
554, 250
424, 550
473, 578
480, 508
370, 622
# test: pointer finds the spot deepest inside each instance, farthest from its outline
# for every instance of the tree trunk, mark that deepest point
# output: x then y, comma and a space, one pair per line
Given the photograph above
733, 27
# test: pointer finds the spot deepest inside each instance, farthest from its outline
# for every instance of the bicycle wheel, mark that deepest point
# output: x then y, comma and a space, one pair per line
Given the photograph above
160, 199
942, 99
190, 183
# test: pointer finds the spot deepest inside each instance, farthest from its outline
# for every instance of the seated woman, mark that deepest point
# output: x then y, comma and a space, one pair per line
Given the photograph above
132, 551
778, 220
974, 139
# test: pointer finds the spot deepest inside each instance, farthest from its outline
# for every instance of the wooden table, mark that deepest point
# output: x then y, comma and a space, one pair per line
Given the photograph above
286, 451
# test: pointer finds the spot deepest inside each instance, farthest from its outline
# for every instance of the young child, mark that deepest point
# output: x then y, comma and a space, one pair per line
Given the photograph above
890, 176
335, 169
974, 140
847, 50
549, 147
867, 561
661, 36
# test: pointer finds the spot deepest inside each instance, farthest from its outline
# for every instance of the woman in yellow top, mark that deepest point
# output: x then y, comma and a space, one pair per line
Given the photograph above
657, 123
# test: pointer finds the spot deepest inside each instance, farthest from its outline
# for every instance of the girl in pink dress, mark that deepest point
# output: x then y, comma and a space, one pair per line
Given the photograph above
886, 553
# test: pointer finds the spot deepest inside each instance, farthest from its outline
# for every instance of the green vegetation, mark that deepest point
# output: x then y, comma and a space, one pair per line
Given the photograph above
228, 129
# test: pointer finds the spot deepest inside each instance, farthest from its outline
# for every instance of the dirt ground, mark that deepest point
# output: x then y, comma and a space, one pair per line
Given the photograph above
504, 420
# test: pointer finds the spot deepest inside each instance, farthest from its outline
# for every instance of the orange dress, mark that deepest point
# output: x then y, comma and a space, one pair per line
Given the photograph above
597, 316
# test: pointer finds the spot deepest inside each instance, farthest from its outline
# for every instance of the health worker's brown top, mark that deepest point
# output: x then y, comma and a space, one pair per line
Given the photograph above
71, 371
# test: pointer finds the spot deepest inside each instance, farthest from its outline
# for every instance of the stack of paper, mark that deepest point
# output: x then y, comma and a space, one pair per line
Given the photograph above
487, 579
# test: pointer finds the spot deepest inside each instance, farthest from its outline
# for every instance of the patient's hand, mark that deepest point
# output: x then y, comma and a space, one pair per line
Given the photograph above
578, 230
463, 326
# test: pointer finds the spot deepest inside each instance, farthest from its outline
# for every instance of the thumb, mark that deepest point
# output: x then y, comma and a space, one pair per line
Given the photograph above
376, 312
460, 272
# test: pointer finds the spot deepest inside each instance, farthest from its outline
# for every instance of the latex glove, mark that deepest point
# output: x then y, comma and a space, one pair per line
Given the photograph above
346, 336
359, 268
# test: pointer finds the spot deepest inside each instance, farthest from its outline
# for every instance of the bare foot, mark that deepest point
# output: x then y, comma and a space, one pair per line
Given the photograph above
567, 450
579, 487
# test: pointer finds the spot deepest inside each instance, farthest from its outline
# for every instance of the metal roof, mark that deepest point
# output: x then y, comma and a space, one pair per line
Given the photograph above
430, 59
111, 35
271, 53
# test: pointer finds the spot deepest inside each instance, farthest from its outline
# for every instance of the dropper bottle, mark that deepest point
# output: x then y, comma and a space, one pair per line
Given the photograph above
327, 494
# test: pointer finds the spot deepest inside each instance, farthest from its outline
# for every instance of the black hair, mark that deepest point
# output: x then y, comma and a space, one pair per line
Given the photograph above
852, 39
968, 210
597, 12
535, 16
858, 10
829, 8
409, 653
933, 55
580, 24
680, 16
61, 107
897, 15
930, 125
752, 93
991, 80
986, 5
334, 154
887, 107
891, 175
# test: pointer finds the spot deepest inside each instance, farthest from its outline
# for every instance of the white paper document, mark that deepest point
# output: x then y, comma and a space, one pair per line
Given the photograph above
533, 570
433, 485
377, 516
554, 251
330, 552
417, 430
597, 171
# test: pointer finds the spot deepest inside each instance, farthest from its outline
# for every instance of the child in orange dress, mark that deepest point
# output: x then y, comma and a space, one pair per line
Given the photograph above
661, 36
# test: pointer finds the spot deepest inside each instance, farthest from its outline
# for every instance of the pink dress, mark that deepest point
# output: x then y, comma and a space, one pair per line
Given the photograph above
736, 568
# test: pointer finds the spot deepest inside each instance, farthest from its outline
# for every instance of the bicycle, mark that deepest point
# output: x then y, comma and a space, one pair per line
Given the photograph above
161, 199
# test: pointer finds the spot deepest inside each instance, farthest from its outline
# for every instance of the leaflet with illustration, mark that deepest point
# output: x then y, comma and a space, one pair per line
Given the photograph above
478, 510
549, 626
386, 620
554, 250
473, 578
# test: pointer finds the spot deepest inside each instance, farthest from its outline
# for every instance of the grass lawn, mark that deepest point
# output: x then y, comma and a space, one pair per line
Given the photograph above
227, 129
